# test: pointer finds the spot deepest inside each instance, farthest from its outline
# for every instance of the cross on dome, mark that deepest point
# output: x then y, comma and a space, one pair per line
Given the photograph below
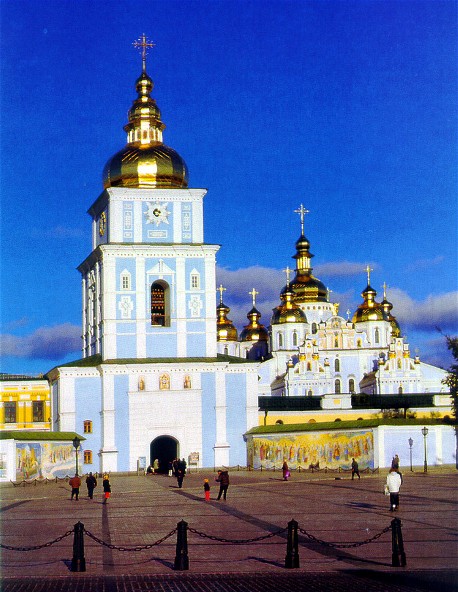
288, 271
368, 270
143, 44
302, 211
253, 294
221, 290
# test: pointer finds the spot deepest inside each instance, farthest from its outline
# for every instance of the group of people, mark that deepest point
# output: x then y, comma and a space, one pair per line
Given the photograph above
91, 484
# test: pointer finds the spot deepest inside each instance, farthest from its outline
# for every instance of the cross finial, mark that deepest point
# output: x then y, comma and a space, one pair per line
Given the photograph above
143, 44
253, 294
302, 211
368, 269
221, 290
348, 314
328, 293
384, 290
287, 270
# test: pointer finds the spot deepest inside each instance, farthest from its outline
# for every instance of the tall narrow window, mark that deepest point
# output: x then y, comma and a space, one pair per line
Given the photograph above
351, 385
294, 338
38, 411
159, 304
337, 389
377, 336
309, 366
88, 457
10, 412
195, 280
314, 328
280, 340
125, 280
400, 390
87, 426
337, 365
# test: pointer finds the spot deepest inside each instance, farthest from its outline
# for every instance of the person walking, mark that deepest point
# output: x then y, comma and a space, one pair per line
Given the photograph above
223, 478
207, 490
354, 469
393, 485
91, 484
106, 488
180, 477
75, 484
285, 470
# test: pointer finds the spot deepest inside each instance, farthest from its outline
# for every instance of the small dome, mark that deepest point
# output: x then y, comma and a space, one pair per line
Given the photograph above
225, 329
254, 331
369, 310
288, 312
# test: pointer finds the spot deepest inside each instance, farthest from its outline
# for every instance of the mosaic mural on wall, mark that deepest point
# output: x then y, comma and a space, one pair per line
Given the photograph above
47, 459
318, 449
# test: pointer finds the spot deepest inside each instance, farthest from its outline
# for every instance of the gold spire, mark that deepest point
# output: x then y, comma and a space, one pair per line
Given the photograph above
225, 329
221, 290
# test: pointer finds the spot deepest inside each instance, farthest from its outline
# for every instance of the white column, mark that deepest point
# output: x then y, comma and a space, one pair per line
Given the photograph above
221, 446
180, 284
140, 309
108, 451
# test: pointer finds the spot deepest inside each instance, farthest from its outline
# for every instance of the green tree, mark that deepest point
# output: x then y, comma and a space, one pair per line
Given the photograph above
451, 380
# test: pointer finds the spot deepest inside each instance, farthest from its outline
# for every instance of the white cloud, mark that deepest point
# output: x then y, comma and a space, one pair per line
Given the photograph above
343, 268
436, 311
46, 343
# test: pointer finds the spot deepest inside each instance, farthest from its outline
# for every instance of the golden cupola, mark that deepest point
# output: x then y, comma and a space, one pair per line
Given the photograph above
305, 286
387, 307
369, 310
288, 311
145, 161
254, 331
225, 329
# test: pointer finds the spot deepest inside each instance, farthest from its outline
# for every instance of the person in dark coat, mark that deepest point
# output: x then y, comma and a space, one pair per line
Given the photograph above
91, 484
180, 477
223, 478
285, 470
354, 469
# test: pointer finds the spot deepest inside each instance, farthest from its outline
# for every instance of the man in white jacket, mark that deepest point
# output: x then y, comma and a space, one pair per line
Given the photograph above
393, 483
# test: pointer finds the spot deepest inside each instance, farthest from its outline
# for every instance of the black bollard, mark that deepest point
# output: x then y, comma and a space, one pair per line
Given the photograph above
398, 557
292, 546
181, 557
78, 560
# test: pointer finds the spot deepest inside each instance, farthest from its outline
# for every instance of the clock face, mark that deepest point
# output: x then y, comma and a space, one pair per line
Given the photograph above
157, 213
102, 223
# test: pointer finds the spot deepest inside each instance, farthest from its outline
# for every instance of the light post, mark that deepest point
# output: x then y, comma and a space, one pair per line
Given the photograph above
76, 444
424, 431
410, 445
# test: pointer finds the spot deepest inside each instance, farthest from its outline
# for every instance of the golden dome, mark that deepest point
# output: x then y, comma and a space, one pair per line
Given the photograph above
288, 312
387, 307
254, 331
225, 329
369, 310
305, 286
145, 161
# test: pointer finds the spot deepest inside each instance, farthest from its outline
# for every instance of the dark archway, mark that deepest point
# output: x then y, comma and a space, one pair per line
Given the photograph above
165, 449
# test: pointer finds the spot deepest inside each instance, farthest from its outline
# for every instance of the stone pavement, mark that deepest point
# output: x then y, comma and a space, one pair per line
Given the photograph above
144, 511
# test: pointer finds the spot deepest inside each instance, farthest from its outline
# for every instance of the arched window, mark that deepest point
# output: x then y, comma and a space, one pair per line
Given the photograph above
314, 328
399, 364
337, 388
377, 336
400, 390
226, 350
280, 340
309, 366
309, 393
294, 338
336, 342
351, 385
359, 343
337, 365
160, 304
187, 382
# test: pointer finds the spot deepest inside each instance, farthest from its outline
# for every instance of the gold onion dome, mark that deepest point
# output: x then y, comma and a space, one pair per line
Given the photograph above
225, 329
305, 286
369, 310
288, 311
254, 331
145, 161
387, 307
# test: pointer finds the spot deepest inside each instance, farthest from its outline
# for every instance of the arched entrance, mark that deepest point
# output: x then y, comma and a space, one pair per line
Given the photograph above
165, 449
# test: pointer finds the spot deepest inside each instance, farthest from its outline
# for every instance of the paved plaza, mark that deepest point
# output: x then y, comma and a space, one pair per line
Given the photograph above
333, 513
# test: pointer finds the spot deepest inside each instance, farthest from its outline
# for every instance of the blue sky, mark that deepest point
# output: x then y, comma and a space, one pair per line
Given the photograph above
348, 107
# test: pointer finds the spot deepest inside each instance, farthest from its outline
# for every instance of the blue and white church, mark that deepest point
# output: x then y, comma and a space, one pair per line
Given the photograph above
151, 383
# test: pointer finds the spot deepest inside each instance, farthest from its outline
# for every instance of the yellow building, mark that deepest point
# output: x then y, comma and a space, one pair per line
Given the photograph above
25, 403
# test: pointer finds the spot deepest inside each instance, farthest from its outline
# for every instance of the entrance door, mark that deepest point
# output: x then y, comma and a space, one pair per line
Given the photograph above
164, 449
